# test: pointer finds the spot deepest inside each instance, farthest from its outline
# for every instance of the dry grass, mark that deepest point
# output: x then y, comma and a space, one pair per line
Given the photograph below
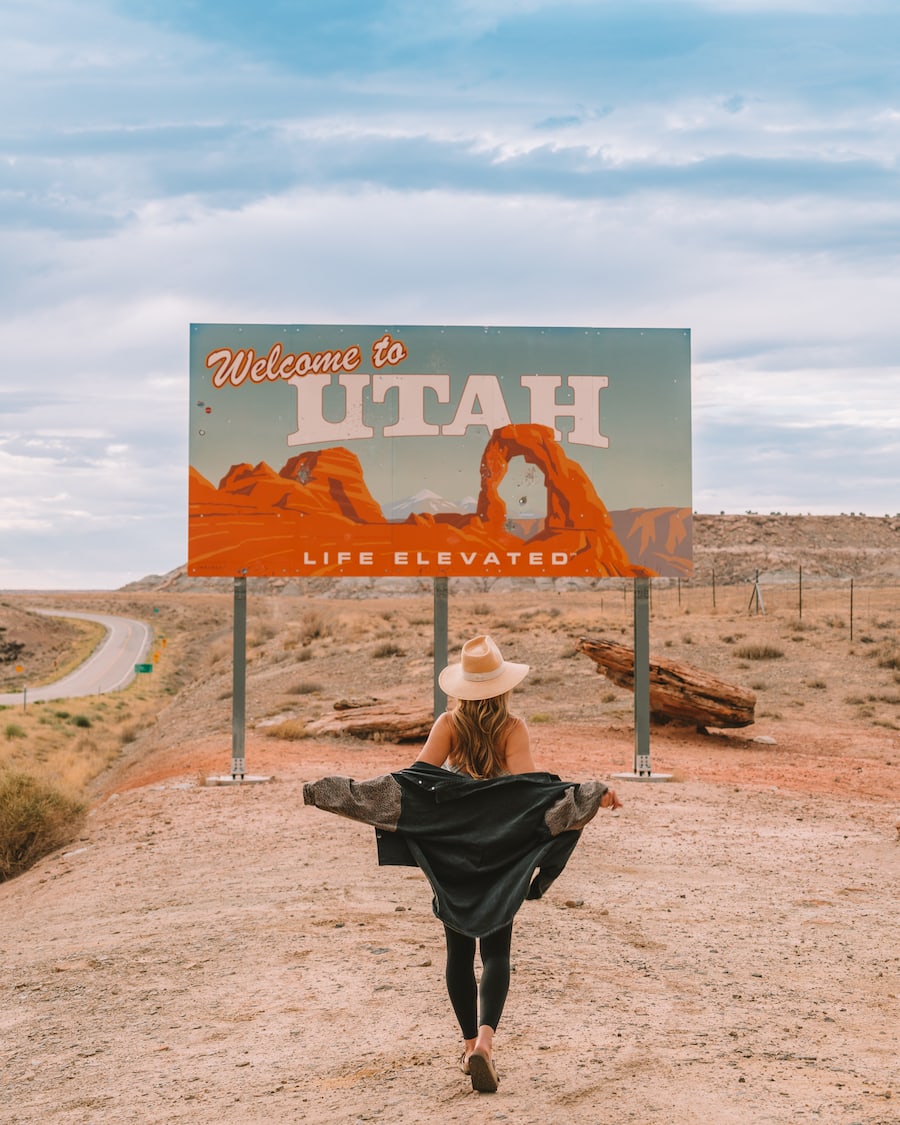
304, 687
70, 749
759, 652
291, 730
35, 819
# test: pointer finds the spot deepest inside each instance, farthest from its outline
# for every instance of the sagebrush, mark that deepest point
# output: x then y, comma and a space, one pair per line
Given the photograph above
35, 819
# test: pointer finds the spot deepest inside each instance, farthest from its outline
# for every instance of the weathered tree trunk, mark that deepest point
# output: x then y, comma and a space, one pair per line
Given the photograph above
677, 691
382, 722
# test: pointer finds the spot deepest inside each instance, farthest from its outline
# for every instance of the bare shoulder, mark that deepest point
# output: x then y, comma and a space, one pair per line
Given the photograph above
437, 745
518, 747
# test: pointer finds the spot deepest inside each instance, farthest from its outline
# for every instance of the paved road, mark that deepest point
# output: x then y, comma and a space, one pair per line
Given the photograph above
109, 668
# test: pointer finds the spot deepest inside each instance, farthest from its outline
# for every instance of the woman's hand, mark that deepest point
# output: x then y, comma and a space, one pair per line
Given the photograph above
609, 800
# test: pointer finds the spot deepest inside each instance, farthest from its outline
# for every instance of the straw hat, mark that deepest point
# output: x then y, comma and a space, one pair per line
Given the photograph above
482, 673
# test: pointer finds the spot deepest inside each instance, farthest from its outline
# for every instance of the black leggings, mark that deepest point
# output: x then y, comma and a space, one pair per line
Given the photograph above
464, 992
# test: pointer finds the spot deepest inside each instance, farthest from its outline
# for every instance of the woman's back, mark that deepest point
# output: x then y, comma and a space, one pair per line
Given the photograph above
478, 740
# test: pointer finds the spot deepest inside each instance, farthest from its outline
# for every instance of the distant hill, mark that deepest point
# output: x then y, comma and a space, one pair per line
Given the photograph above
830, 548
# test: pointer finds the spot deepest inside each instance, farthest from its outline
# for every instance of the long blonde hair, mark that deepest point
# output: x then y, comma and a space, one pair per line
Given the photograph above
479, 742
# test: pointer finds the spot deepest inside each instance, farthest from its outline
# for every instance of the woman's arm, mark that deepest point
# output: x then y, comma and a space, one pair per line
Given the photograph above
518, 749
437, 745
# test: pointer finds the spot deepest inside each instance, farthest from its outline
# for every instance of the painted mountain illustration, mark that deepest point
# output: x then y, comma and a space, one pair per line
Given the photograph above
317, 516
424, 501
660, 537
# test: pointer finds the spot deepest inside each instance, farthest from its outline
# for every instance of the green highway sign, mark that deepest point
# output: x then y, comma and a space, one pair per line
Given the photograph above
143, 667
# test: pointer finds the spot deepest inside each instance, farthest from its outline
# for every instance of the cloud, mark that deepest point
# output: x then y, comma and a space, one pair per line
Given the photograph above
727, 167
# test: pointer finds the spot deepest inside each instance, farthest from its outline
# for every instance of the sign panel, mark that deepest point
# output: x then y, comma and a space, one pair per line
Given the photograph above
372, 450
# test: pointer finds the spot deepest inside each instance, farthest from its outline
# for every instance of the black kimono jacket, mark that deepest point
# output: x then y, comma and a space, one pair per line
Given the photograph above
485, 846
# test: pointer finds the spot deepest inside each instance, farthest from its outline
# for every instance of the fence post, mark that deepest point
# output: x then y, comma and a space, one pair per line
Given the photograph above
851, 609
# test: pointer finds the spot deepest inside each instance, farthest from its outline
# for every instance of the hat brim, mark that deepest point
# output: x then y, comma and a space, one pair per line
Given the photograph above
454, 683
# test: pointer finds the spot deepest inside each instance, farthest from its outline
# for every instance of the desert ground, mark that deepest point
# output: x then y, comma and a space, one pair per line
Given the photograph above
722, 950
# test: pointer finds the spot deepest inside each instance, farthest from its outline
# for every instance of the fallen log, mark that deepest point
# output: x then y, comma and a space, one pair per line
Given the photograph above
677, 691
380, 721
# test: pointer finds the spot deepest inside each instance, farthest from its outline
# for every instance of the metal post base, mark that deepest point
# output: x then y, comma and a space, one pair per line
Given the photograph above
230, 779
642, 776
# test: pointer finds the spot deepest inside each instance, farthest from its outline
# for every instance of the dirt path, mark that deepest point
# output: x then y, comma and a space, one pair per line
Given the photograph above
723, 950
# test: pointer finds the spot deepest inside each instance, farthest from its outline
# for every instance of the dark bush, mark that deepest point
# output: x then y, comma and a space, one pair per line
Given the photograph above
759, 652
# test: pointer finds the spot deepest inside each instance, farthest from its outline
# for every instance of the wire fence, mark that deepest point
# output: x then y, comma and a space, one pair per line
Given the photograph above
850, 603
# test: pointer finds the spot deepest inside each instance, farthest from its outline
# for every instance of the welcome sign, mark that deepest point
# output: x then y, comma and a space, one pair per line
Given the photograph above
373, 450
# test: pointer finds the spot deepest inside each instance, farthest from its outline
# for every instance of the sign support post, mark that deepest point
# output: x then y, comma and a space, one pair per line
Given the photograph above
439, 647
642, 768
239, 680
238, 774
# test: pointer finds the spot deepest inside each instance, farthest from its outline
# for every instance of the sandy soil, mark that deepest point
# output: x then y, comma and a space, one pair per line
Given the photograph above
721, 950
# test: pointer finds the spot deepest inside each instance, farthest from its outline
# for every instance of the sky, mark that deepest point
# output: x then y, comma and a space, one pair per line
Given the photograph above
725, 166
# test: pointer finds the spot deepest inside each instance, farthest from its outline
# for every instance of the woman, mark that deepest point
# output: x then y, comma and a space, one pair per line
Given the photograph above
481, 738
486, 828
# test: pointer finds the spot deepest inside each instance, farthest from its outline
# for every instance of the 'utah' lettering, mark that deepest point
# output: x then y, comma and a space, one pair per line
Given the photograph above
481, 403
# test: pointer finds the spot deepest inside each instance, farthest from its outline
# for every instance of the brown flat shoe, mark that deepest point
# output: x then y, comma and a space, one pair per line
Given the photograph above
464, 1063
484, 1076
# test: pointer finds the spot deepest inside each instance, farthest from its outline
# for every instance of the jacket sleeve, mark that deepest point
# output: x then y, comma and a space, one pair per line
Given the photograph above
375, 802
578, 805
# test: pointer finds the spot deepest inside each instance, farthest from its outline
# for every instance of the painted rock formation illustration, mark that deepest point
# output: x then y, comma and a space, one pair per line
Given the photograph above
317, 516
334, 478
572, 501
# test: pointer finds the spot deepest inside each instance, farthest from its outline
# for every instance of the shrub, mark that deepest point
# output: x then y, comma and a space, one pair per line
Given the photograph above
13, 730
759, 652
312, 626
82, 721
35, 819
388, 649
260, 632
290, 729
304, 687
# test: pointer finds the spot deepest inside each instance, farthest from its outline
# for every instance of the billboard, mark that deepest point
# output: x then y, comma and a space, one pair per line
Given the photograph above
373, 450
